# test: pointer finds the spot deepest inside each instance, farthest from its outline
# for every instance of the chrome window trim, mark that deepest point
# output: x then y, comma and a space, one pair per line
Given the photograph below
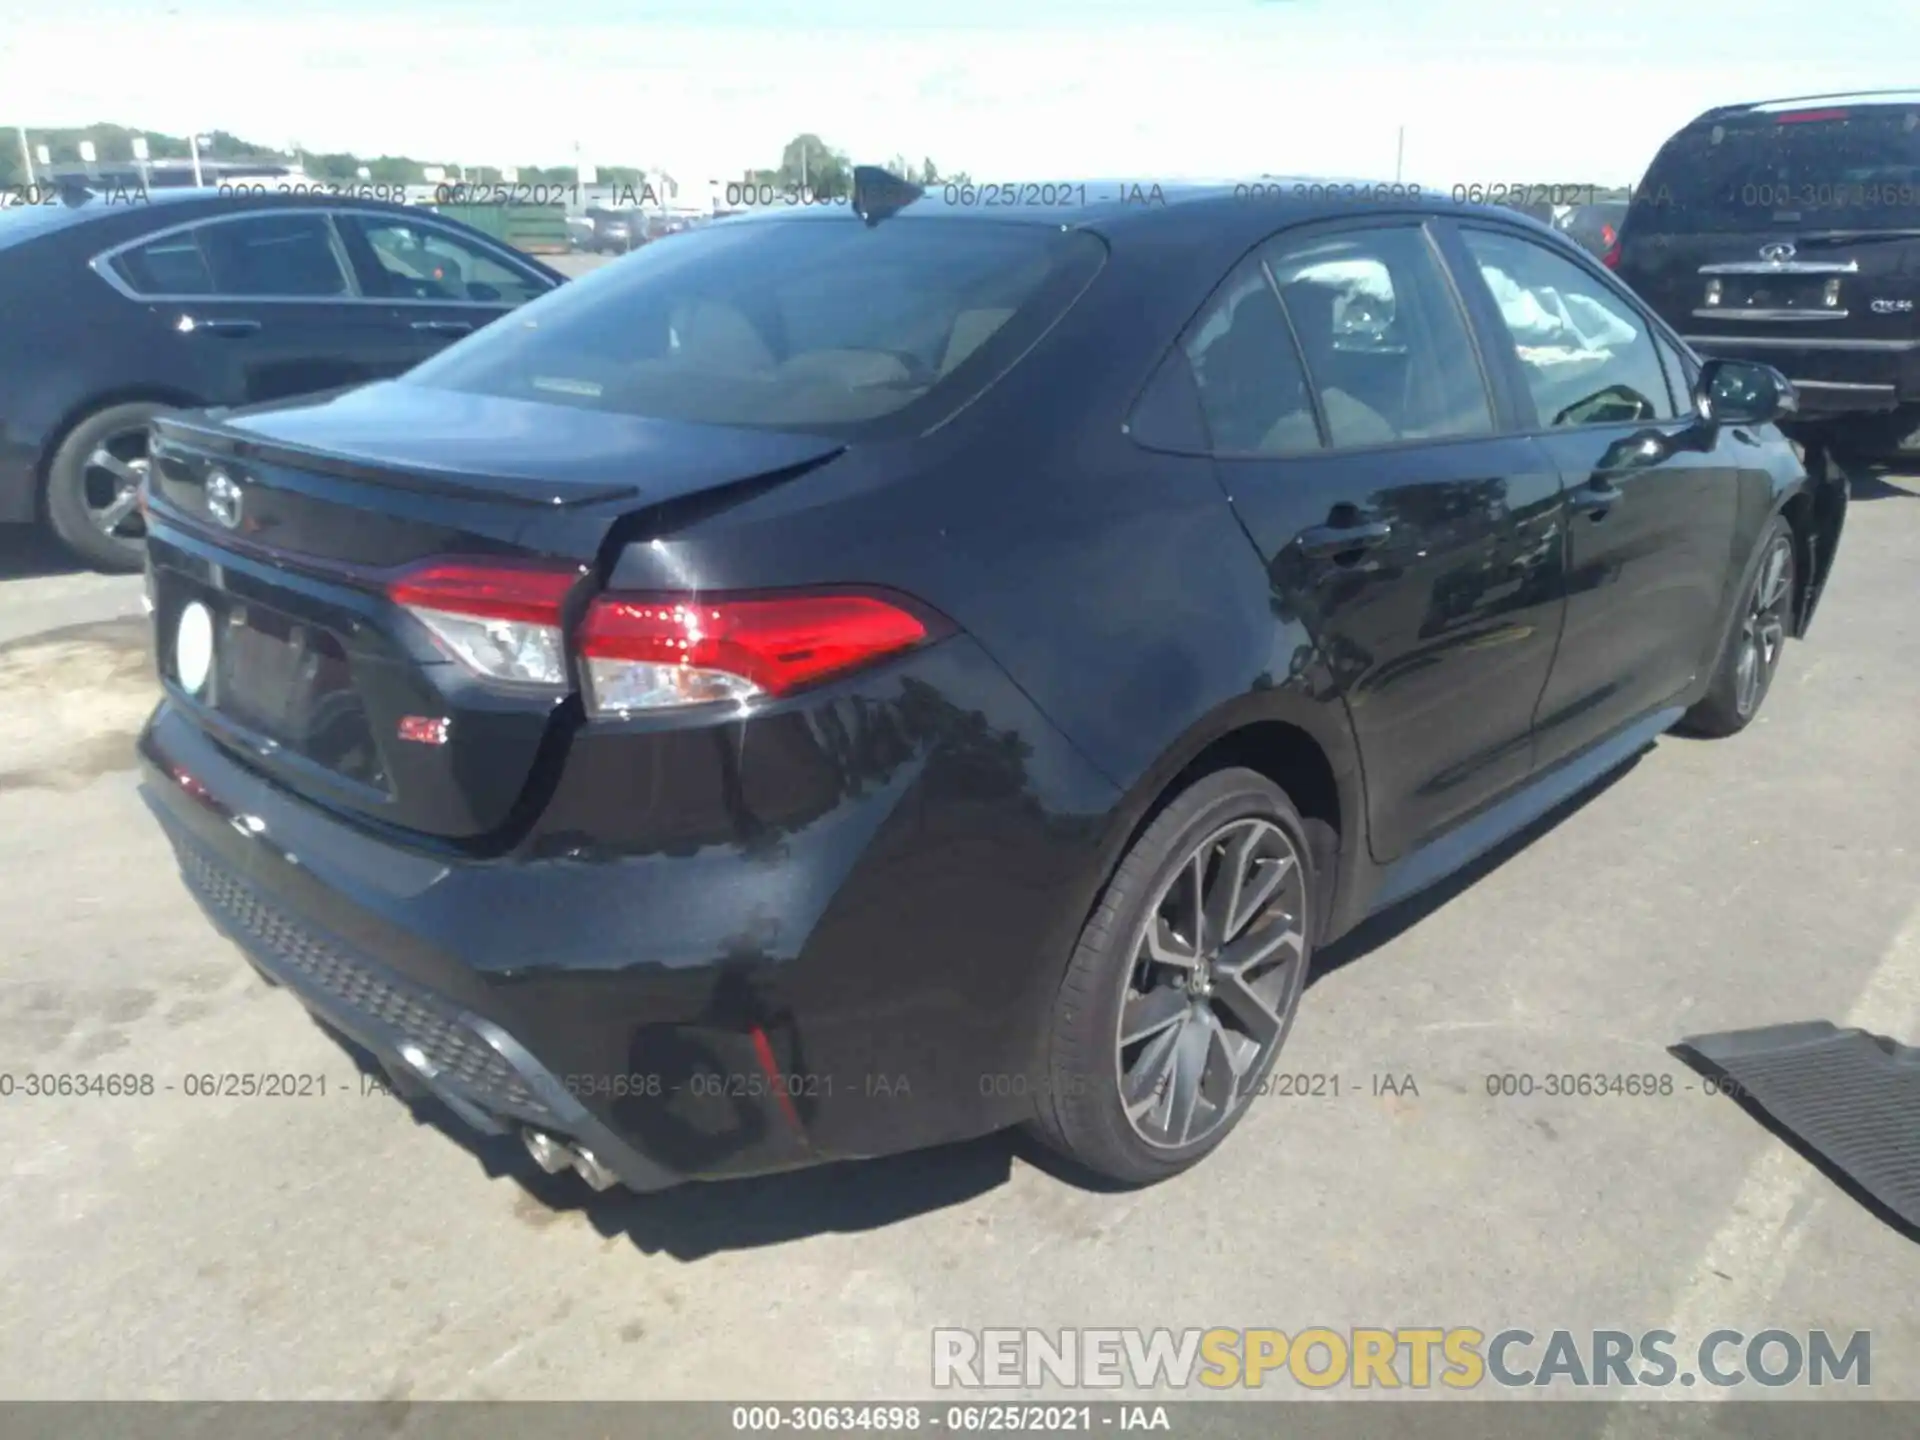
1724, 312
1850, 385
102, 264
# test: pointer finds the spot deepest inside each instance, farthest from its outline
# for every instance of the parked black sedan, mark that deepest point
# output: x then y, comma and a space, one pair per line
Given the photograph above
112, 311
857, 679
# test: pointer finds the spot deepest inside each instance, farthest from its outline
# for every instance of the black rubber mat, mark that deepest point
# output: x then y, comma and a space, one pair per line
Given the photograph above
1848, 1100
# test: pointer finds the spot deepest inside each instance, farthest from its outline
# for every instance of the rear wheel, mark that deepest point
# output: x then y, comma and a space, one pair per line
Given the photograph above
1751, 656
93, 487
1184, 983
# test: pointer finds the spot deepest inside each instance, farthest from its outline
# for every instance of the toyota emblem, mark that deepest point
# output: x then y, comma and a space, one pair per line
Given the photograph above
1777, 253
224, 499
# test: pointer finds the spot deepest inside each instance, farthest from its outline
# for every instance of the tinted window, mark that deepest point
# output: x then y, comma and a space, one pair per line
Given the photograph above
1679, 374
1252, 389
816, 323
424, 262
281, 255
169, 265
1858, 172
1386, 346
1587, 355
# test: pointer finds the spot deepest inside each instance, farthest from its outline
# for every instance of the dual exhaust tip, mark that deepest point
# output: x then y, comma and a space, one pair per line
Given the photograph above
553, 1156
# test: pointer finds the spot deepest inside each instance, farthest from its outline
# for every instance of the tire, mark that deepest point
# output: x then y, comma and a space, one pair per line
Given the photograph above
1213, 1066
1750, 656
83, 491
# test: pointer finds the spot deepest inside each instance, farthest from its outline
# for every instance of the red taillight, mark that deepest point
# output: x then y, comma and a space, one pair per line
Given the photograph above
528, 593
1803, 117
656, 653
1611, 259
501, 620
1608, 236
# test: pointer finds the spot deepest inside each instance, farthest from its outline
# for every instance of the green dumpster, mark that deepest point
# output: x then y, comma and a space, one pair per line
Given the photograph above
532, 229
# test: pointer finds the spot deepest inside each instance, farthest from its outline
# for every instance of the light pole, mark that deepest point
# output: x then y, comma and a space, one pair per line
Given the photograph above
26, 156
193, 147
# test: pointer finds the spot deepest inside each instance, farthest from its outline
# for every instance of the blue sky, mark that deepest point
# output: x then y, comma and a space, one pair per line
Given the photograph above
1500, 90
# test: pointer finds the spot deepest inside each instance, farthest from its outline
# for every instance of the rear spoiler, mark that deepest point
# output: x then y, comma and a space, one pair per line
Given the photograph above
208, 432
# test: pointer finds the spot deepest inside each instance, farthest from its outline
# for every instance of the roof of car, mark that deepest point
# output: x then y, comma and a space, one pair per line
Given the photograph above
80, 206
1846, 100
1266, 201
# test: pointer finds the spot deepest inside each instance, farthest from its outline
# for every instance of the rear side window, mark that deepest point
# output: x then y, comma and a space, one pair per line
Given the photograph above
274, 255
1386, 345
825, 324
1859, 170
169, 265
1252, 388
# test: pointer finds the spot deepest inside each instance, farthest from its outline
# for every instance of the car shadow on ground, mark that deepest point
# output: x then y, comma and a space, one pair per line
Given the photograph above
1389, 924
701, 1219
28, 553
1877, 482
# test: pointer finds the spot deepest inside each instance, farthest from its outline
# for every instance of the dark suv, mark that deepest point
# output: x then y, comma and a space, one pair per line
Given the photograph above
1788, 231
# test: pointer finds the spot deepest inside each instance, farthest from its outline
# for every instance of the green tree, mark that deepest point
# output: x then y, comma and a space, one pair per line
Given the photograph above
810, 161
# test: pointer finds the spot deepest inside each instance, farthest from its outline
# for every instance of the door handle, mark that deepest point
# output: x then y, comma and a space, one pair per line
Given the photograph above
1325, 541
1595, 498
219, 325
444, 327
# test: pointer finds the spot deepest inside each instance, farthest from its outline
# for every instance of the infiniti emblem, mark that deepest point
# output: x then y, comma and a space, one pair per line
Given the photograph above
1777, 253
223, 499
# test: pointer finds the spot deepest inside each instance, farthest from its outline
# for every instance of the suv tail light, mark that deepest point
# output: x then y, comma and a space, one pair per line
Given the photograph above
652, 653
1611, 258
502, 621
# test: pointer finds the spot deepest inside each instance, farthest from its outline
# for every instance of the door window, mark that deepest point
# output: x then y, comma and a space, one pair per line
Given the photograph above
1587, 355
424, 262
168, 265
1386, 345
1253, 390
274, 255
1679, 374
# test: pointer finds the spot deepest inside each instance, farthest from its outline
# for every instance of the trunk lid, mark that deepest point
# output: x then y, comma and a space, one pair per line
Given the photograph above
286, 525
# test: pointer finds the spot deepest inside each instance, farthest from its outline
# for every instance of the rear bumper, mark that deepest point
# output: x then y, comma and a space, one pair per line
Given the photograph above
869, 981
1833, 377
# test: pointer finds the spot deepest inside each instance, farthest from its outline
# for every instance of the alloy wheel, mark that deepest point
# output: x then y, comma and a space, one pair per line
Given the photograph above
1763, 631
1217, 970
110, 479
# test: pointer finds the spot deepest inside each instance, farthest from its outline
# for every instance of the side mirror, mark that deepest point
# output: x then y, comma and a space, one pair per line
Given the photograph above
1743, 392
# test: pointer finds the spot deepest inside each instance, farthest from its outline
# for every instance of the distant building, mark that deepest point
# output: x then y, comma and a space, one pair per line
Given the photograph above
170, 174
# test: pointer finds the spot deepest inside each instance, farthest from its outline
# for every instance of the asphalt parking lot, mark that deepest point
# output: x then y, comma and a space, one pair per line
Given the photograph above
339, 1246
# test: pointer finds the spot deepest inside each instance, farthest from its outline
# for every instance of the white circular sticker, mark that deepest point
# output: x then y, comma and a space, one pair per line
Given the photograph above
193, 647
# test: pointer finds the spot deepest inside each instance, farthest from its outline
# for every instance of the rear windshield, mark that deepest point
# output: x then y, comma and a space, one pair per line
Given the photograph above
1861, 172
823, 324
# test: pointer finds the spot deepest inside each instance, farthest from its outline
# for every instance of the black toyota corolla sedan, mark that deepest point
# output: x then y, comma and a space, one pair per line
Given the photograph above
116, 306
852, 680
